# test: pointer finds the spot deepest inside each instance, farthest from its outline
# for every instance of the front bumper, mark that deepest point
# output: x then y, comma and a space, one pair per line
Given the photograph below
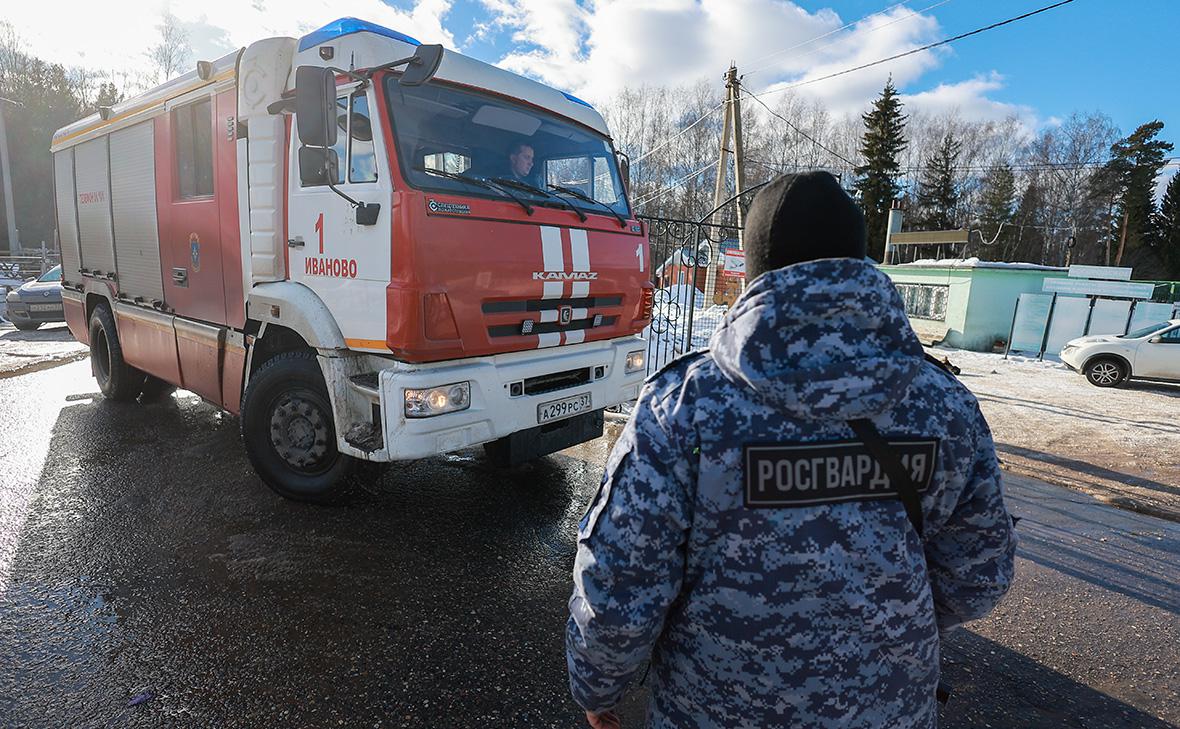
1072, 358
494, 412
22, 310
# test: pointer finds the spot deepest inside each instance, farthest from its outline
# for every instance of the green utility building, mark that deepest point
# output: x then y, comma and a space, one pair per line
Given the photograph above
967, 304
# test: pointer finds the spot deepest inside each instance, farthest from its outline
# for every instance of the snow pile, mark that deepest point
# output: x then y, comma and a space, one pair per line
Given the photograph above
976, 263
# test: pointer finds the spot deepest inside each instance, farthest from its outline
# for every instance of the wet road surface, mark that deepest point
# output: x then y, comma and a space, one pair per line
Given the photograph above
142, 562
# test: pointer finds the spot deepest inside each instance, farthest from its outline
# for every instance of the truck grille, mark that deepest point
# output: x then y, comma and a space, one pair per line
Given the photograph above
507, 317
556, 381
527, 305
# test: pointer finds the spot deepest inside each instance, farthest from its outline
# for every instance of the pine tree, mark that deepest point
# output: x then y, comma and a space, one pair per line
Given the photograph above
1167, 227
938, 190
1135, 163
1027, 242
997, 205
877, 178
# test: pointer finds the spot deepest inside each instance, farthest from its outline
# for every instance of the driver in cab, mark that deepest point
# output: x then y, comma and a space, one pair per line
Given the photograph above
520, 163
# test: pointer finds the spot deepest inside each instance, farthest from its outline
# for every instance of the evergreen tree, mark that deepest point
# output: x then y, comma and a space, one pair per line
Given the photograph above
1027, 242
938, 190
997, 206
1167, 227
1135, 163
877, 178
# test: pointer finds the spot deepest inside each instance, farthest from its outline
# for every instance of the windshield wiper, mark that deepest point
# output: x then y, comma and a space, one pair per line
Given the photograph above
583, 196
534, 189
479, 182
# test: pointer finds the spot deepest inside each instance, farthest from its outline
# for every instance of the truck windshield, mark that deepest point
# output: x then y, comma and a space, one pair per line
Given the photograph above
467, 133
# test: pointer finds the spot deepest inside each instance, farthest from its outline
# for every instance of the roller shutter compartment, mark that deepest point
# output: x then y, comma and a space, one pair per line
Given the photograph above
133, 203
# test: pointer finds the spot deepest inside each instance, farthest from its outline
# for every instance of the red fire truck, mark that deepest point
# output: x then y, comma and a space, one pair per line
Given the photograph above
369, 248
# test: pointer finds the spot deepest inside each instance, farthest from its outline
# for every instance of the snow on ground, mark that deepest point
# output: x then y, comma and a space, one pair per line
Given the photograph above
1049, 422
24, 351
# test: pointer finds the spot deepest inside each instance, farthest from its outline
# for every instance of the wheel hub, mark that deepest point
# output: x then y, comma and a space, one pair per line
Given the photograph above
1106, 373
299, 432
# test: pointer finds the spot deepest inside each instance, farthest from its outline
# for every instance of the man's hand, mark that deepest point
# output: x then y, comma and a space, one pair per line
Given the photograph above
605, 720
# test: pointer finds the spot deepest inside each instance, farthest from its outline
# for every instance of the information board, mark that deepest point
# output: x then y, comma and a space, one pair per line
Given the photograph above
735, 264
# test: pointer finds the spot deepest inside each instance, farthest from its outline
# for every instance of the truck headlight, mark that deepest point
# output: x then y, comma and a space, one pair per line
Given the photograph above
636, 361
438, 400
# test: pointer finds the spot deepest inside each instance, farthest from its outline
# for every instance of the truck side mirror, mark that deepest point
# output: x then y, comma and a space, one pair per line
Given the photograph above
625, 171
422, 66
315, 106
318, 165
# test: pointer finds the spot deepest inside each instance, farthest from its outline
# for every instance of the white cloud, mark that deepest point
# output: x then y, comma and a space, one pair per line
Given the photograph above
115, 36
969, 98
596, 50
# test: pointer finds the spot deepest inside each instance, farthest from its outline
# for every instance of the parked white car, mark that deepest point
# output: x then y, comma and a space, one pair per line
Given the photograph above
1149, 353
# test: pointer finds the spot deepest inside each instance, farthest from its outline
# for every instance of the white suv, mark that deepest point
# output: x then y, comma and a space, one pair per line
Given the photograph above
1150, 353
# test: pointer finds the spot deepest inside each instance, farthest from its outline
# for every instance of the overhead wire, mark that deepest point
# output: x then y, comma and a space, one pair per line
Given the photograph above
927, 47
673, 186
713, 110
804, 134
676, 136
912, 14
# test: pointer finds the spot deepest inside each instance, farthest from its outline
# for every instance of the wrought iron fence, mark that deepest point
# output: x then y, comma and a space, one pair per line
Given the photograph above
692, 292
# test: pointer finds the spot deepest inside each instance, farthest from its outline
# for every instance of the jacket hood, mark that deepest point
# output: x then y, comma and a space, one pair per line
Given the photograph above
825, 339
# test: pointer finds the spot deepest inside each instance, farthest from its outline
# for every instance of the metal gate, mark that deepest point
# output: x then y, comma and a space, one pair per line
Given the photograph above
693, 292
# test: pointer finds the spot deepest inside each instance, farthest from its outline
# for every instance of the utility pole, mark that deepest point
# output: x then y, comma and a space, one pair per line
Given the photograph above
6, 171
733, 121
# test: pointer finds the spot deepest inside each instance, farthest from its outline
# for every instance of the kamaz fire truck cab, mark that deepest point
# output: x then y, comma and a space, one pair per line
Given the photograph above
390, 278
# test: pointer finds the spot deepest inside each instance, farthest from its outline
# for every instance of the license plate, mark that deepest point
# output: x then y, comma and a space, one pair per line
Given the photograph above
558, 409
44, 307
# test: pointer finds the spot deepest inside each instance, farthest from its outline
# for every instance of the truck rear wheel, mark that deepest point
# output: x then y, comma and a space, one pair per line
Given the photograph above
289, 433
116, 379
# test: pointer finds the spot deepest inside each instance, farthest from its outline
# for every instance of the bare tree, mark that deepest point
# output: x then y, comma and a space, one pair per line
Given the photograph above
172, 52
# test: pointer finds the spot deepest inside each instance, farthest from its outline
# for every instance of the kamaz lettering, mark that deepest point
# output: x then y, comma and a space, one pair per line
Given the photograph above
565, 276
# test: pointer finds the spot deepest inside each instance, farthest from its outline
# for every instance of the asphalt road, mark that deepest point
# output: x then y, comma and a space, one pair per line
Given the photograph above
147, 578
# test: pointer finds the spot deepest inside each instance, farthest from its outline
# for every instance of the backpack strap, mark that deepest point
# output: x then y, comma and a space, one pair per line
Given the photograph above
907, 490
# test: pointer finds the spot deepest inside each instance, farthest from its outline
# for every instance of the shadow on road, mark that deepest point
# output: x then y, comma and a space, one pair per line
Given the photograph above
154, 563
154, 560
994, 686
1089, 469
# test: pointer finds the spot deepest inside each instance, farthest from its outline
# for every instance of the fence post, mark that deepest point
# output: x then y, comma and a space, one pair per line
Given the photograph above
1048, 327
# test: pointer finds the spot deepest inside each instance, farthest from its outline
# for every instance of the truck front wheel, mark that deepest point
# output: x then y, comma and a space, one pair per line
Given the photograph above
288, 430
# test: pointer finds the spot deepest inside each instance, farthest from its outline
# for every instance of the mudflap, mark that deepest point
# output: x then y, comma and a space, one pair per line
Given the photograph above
527, 445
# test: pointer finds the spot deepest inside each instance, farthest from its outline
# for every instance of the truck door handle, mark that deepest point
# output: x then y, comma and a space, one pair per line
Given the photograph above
180, 276
296, 242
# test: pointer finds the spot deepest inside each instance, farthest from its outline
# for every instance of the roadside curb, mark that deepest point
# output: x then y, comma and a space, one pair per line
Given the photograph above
45, 364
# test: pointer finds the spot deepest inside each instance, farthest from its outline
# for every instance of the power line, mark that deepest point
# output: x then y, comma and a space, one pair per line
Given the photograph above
673, 186
676, 136
913, 14
804, 134
911, 52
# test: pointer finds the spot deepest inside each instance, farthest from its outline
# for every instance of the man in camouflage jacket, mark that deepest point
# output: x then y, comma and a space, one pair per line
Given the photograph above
757, 603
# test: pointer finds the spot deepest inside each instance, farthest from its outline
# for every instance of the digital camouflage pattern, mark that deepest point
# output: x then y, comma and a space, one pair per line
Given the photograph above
812, 616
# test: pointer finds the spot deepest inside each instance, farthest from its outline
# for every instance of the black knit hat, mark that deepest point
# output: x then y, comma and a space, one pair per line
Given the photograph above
801, 217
